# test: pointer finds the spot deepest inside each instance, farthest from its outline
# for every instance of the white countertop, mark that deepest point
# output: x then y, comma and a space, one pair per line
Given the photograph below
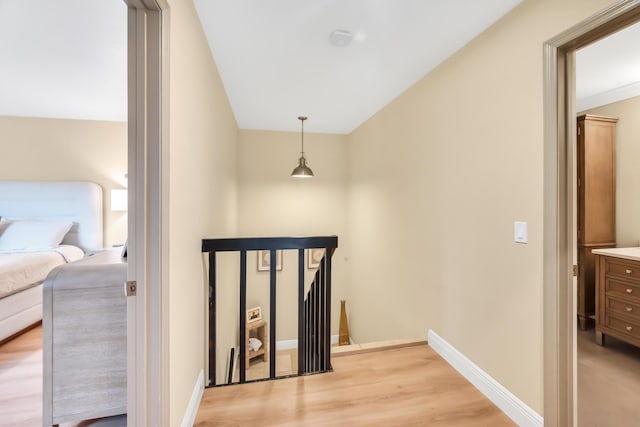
626, 253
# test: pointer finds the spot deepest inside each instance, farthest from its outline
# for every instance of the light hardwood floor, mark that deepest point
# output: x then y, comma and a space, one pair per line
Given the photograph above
399, 387
406, 386
21, 385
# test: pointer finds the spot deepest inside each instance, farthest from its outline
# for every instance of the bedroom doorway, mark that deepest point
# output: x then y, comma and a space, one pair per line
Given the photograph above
560, 380
94, 141
146, 145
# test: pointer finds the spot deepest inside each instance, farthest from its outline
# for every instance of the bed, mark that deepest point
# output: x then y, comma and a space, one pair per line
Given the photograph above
32, 212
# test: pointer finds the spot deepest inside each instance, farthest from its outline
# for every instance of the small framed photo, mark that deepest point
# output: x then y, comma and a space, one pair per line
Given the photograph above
264, 260
254, 314
314, 256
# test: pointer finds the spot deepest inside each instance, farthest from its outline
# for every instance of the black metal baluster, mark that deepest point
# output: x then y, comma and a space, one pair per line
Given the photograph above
243, 316
321, 318
328, 309
312, 350
212, 318
310, 327
301, 313
316, 326
307, 338
272, 312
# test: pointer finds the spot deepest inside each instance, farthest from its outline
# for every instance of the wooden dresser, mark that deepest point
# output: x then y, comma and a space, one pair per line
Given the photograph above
84, 326
618, 294
596, 203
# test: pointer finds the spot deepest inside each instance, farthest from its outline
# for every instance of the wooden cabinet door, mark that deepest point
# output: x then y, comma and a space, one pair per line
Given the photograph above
597, 181
596, 186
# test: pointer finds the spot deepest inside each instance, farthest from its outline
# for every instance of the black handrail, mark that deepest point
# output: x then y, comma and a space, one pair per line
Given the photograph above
266, 243
314, 345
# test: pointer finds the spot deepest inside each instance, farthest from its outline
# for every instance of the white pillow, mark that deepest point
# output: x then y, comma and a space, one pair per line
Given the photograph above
22, 235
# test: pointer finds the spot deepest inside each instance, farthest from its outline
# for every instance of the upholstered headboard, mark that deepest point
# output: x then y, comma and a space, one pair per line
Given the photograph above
80, 202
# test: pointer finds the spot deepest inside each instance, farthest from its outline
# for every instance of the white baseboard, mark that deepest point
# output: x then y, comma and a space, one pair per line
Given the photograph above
289, 344
286, 344
194, 403
515, 408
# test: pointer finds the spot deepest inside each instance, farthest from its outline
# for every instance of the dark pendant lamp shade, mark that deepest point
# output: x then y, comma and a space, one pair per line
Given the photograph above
302, 170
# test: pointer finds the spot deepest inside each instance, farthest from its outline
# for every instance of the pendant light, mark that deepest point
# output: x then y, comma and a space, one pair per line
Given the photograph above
302, 170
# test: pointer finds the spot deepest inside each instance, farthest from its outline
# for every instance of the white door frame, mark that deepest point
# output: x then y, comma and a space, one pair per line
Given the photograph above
560, 395
147, 312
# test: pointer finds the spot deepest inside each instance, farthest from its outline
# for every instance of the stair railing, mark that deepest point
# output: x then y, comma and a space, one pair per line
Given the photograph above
314, 310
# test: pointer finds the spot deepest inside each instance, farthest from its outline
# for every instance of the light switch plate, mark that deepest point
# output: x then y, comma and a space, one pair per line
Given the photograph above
520, 232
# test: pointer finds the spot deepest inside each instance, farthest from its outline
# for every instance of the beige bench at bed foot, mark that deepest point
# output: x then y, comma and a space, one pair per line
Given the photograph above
84, 340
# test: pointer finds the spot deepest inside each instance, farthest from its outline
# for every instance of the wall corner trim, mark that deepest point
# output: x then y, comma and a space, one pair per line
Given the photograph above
194, 403
513, 407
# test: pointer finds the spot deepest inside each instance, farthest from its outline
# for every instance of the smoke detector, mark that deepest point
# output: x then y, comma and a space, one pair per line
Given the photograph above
340, 38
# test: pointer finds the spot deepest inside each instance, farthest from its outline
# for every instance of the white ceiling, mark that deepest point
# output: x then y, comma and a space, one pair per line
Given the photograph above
276, 61
608, 70
67, 58
63, 59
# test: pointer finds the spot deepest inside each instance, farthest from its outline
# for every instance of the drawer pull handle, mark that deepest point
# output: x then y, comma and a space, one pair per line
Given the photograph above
629, 290
629, 309
629, 328
628, 271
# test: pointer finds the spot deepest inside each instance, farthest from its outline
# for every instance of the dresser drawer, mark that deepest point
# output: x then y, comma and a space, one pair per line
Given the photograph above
623, 268
622, 288
626, 327
615, 306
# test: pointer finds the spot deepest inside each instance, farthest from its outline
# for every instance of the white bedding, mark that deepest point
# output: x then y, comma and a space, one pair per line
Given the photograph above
21, 269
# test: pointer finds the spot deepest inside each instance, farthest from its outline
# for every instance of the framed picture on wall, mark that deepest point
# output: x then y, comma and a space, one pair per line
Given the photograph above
264, 260
254, 314
314, 256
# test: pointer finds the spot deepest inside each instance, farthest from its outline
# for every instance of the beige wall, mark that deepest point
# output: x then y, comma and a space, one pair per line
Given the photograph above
627, 170
271, 203
68, 150
202, 194
437, 179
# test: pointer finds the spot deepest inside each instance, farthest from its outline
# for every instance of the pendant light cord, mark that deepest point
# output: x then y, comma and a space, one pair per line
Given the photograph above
302, 119
302, 136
